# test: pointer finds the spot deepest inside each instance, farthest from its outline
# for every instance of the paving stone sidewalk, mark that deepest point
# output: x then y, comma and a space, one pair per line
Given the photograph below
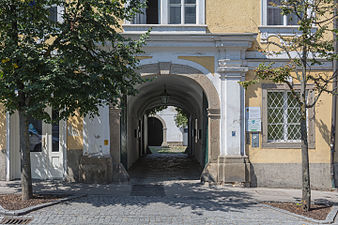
170, 202
165, 189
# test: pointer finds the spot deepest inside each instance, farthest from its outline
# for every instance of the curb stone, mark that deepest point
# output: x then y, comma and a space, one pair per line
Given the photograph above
329, 218
20, 212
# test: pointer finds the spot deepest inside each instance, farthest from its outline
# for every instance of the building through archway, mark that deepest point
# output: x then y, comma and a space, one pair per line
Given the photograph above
155, 131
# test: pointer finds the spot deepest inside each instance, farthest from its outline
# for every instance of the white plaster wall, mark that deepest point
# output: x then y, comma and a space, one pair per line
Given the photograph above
174, 134
96, 134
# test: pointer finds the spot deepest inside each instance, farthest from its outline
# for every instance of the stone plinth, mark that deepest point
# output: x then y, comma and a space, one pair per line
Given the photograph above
228, 170
96, 169
233, 169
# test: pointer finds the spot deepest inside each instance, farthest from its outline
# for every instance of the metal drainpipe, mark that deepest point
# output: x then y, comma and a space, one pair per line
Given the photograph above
334, 105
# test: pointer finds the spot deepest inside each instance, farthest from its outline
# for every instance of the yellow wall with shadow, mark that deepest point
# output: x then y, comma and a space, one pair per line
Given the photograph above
75, 132
321, 153
207, 62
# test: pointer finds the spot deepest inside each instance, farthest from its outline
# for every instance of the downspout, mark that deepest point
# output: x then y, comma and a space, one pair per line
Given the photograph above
243, 125
8, 139
334, 104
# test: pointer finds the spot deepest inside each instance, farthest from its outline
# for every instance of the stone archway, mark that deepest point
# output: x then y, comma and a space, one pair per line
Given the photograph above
182, 83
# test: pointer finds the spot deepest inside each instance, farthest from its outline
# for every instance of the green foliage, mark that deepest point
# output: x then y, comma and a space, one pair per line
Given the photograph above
268, 72
310, 46
181, 118
156, 109
78, 64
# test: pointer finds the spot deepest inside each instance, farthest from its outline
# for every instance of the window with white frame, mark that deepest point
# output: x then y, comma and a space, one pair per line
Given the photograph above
182, 11
172, 12
281, 118
272, 14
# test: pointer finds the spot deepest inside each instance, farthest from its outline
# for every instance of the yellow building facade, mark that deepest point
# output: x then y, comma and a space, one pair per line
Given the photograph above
198, 51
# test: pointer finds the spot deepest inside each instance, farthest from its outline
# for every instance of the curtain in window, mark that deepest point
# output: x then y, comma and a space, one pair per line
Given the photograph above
274, 13
175, 11
53, 14
190, 12
140, 18
185, 7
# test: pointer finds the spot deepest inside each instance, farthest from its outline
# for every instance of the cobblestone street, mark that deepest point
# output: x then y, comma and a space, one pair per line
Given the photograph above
156, 210
177, 198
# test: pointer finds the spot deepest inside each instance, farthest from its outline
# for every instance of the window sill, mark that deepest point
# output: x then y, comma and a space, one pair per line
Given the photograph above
267, 31
281, 145
165, 28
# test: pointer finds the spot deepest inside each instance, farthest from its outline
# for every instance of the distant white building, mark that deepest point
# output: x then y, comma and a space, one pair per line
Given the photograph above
174, 135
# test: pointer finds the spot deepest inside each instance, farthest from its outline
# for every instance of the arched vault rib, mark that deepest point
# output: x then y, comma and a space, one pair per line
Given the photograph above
188, 105
168, 69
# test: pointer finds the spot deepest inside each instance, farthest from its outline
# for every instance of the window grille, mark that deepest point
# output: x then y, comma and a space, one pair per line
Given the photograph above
283, 117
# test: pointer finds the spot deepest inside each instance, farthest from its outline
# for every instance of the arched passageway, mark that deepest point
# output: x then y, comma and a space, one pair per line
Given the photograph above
185, 88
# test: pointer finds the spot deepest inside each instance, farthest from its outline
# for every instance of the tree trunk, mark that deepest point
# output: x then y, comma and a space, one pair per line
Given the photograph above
306, 189
26, 176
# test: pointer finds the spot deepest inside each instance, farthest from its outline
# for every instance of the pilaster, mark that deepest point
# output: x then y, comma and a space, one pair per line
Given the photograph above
119, 173
232, 165
232, 106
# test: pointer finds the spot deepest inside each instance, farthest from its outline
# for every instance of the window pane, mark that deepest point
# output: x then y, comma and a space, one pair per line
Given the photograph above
276, 2
190, 15
190, 1
274, 16
55, 133
283, 117
294, 132
292, 19
152, 12
175, 15
292, 101
35, 137
175, 2
275, 132
275, 115
294, 115
275, 99
53, 14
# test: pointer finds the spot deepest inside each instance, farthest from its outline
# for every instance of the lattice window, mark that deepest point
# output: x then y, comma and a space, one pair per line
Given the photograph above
283, 117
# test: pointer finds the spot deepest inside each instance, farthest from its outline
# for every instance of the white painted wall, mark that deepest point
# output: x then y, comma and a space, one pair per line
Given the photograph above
174, 134
96, 134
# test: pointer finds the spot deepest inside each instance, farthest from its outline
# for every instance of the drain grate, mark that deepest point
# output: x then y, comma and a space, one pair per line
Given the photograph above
17, 220
147, 190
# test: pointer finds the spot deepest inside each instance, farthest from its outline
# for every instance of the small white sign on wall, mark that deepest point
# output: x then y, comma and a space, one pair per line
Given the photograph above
254, 125
253, 119
253, 113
